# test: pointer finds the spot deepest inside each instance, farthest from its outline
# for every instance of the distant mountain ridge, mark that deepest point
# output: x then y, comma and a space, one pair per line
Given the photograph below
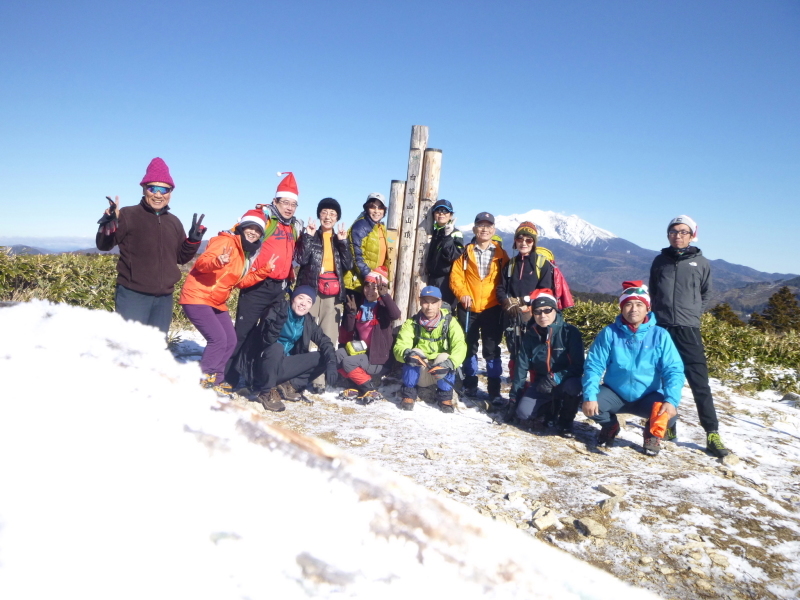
596, 260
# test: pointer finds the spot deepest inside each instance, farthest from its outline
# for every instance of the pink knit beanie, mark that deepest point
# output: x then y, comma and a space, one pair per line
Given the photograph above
157, 170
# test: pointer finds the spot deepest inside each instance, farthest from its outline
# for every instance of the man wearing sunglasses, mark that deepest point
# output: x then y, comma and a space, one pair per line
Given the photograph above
551, 351
680, 285
152, 243
446, 245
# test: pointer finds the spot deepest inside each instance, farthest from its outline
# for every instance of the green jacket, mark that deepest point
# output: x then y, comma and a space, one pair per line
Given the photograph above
432, 343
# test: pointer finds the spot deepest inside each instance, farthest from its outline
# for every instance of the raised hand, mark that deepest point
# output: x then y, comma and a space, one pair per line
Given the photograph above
342, 233
351, 304
110, 213
448, 229
383, 288
311, 228
224, 258
197, 230
272, 262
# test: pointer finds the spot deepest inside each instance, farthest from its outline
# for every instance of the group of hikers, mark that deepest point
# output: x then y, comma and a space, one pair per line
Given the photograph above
324, 284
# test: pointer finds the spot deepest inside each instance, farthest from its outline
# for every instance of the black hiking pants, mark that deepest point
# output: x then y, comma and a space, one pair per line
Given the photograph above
274, 367
693, 354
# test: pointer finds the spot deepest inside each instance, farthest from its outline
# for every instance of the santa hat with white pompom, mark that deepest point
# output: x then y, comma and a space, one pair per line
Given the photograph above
287, 188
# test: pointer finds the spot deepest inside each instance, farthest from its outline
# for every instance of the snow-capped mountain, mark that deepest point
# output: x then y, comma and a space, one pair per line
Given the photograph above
570, 229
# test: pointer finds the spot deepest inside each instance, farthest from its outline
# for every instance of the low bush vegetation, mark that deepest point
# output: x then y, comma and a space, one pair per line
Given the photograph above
742, 356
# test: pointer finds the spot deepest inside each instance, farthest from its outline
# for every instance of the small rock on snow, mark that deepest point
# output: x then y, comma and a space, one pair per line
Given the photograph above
592, 527
611, 489
464, 490
645, 560
730, 460
432, 454
609, 504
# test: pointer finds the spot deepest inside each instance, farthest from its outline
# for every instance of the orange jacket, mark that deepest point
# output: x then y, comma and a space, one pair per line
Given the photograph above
467, 282
211, 283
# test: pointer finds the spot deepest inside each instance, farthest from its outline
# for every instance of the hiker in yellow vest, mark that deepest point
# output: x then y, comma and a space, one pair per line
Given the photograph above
368, 244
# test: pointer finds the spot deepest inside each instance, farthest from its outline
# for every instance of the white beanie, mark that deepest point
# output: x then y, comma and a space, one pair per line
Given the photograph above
685, 220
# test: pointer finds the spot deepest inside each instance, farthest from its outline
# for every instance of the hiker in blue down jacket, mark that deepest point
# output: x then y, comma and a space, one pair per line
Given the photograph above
641, 367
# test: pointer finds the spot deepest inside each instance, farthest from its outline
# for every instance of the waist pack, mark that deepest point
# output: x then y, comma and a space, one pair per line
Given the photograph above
328, 284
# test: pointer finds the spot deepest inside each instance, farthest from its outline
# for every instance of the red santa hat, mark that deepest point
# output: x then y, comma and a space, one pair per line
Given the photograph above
287, 188
253, 217
634, 290
542, 298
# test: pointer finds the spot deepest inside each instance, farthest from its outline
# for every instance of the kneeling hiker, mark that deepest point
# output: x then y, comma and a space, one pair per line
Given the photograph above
431, 344
641, 366
369, 329
552, 352
277, 360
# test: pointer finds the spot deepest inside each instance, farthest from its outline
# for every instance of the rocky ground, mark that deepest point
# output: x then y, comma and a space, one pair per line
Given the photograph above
682, 524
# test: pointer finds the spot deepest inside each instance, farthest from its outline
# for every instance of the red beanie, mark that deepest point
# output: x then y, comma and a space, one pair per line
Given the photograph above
157, 170
634, 290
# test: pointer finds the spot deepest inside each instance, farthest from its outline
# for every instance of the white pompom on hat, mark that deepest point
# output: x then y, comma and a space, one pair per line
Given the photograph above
287, 188
634, 290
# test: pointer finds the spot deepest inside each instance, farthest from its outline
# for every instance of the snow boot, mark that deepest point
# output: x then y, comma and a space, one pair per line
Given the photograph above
493, 389
715, 445
671, 434
370, 396
271, 400
607, 435
409, 397
349, 394
445, 400
208, 380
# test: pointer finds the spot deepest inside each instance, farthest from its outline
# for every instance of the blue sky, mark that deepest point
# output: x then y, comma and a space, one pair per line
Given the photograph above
624, 113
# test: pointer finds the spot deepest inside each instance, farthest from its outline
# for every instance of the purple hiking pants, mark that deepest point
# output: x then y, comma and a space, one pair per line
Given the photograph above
217, 327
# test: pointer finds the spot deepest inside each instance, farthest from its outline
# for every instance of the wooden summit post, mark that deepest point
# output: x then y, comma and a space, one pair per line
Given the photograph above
393, 221
429, 194
408, 227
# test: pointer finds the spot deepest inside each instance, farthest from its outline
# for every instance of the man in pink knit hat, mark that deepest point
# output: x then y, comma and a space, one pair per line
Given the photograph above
152, 243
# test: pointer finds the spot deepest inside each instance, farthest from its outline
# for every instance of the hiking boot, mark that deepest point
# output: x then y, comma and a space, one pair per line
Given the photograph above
470, 390
671, 434
652, 444
223, 390
407, 403
607, 435
566, 431
370, 396
289, 393
349, 394
447, 406
715, 445
271, 400
208, 381
498, 402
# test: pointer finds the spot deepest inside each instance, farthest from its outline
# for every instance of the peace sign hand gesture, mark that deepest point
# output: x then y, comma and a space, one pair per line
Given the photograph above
342, 233
272, 262
311, 228
224, 258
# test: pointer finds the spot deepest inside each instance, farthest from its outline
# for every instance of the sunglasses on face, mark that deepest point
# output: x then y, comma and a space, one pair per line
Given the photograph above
441, 211
543, 311
158, 189
523, 240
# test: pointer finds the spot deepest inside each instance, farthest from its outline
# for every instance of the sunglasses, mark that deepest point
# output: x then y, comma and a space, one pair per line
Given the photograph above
543, 311
524, 240
158, 189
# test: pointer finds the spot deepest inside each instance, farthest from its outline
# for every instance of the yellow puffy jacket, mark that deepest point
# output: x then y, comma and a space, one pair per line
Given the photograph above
365, 246
465, 280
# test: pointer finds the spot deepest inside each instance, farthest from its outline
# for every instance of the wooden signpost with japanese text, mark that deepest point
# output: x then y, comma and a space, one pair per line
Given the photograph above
429, 193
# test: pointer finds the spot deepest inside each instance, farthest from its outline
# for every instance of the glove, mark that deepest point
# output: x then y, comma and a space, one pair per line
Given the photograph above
442, 370
511, 305
331, 374
107, 219
197, 230
415, 358
545, 385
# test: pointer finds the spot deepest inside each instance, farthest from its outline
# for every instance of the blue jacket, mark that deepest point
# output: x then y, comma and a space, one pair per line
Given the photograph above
634, 364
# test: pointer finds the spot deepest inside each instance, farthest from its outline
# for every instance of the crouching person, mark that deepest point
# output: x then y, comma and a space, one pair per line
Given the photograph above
277, 360
641, 367
431, 344
368, 327
551, 350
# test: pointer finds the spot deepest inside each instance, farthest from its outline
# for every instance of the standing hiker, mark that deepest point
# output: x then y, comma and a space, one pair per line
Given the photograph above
226, 264
368, 244
446, 245
551, 351
152, 243
280, 235
638, 365
324, 257
475, 277
680, 285
431, 344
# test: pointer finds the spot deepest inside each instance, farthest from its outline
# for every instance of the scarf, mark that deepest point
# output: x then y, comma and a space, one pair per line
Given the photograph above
277, 215
368, 311
430, 324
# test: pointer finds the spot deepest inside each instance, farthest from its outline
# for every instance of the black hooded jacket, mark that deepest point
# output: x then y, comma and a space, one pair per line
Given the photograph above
308, 254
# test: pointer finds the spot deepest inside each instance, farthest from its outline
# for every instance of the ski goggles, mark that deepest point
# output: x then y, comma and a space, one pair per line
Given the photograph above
158, 189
